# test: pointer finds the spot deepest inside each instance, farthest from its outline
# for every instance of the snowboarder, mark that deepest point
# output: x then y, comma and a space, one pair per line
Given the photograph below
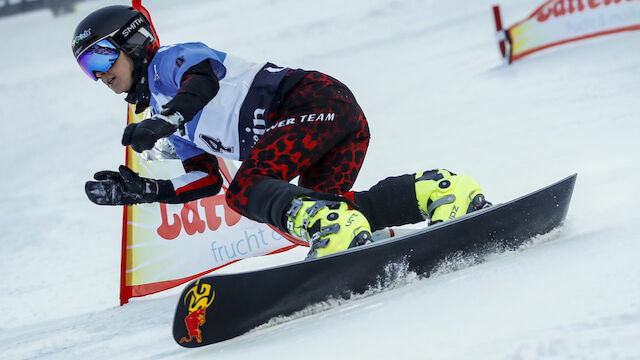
280, 122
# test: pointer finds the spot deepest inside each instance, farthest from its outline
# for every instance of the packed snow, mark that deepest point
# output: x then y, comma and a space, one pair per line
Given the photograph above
436, 94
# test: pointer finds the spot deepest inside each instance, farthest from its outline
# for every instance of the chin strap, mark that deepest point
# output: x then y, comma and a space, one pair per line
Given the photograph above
139, 93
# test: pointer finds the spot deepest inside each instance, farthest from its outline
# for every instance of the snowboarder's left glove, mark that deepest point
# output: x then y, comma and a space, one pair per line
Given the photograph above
121, 188
143, 135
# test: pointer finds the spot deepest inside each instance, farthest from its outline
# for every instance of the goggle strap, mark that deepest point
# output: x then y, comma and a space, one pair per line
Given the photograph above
129, 29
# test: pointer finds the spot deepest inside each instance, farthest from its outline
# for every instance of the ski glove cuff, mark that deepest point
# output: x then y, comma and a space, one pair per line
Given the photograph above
143, 135
122, 188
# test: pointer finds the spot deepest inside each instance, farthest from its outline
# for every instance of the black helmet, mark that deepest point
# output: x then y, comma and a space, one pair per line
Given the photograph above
124, 28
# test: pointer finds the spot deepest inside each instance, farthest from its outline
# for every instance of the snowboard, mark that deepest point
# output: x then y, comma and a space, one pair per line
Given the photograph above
220, 307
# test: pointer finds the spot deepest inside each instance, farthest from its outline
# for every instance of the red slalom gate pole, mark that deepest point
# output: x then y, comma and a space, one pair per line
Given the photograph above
499, 31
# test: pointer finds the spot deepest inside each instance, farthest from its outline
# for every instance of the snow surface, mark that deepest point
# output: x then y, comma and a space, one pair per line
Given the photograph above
428, 75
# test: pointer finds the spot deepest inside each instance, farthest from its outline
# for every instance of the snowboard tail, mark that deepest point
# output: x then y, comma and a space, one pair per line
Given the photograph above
220, 307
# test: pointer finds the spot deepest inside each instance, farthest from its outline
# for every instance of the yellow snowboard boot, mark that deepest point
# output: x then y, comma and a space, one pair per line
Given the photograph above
328, 226
443, 195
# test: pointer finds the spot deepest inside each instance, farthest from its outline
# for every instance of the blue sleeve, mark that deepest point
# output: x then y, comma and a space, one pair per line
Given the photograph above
184, 148
170, 63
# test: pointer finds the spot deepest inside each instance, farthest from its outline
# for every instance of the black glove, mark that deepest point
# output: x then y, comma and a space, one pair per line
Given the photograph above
121, 188
143, 135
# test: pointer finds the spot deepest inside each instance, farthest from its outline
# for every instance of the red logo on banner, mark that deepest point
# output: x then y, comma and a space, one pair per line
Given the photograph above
192, 222
563, 7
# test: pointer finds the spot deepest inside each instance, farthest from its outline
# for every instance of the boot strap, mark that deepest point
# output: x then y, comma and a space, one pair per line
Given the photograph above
325, 230
447, 199
296, 205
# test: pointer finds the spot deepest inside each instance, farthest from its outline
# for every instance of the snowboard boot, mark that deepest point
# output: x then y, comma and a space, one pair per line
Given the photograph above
443, 195
328, 226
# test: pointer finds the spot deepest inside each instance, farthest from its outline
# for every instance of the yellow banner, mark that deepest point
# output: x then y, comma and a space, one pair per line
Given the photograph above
560, 21
165, 245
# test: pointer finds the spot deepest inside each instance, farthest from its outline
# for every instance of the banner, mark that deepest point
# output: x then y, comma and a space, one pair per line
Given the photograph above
165, 245
561, 21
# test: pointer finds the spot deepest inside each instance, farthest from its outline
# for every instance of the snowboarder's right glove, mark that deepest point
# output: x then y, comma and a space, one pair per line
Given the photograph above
121, 188
143, 135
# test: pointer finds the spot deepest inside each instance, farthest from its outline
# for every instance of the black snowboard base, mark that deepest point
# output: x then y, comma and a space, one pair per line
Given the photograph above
220, 307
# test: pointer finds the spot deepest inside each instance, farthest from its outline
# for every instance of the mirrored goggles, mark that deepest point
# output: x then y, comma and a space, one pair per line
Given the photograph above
99, 57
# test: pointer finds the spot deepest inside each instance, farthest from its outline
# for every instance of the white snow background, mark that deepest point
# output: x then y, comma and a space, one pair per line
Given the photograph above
428, 76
